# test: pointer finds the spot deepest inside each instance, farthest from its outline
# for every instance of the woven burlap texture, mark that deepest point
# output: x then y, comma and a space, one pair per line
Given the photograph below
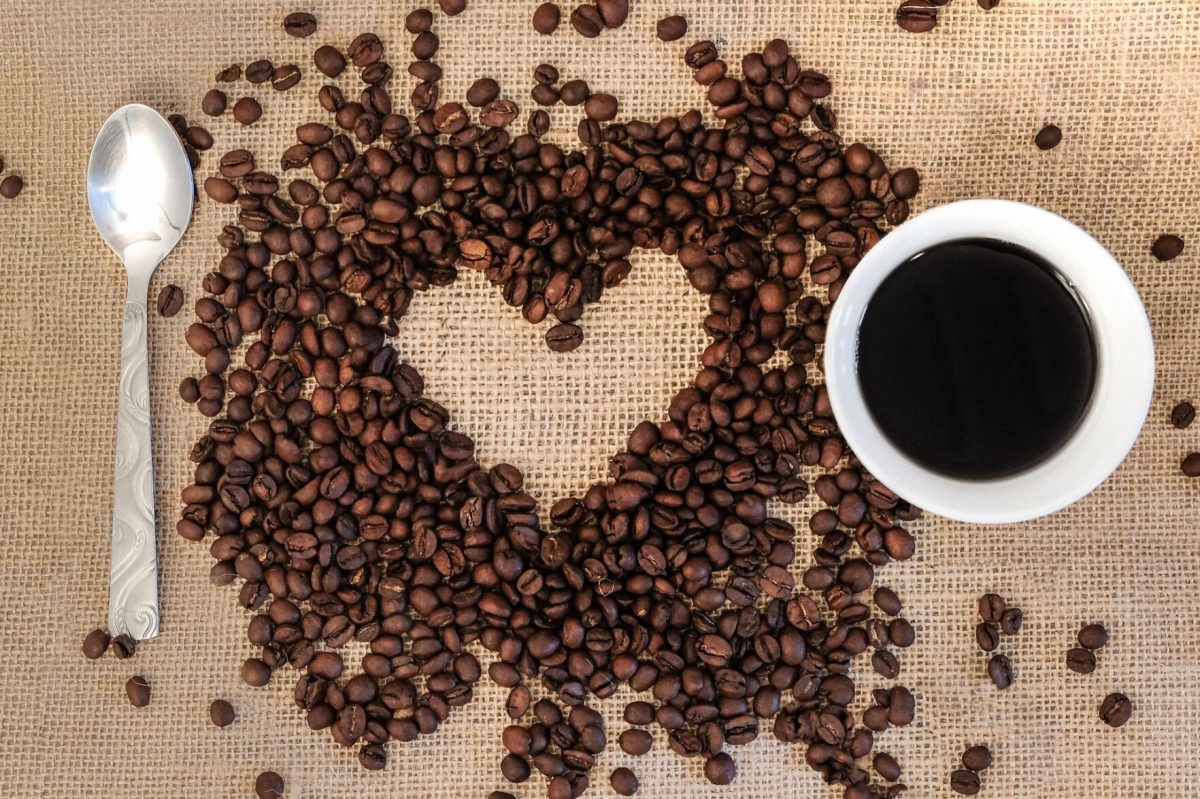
961, 104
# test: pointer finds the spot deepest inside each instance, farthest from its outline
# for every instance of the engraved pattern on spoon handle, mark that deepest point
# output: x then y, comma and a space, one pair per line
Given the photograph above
133, 584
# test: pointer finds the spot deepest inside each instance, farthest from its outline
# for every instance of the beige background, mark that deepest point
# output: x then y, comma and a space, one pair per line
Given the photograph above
962, 104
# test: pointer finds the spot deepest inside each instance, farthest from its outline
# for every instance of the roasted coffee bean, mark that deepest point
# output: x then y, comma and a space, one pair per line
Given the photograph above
964, 782
514, 768
259, 71
95, 644
987, 636
123, 646
1093, 636
624, 781
1190, 465
672, 28
564, 337
482, 92
300, 24
247, 111
1167, 247
11, 186
138, 690
601, 107
546, 18
1116, 709
1182, 415
214, 103
720, 769
425, 46
268, 785
285, 77
221, 713
917, 16
886, 766
1000, 671
170, 300
1081, 661
1048, 137
992, 607
635, 742
1011, 620
586, 21
452, 8
613, 12
977, 758
365, 49
988, 5
229, 74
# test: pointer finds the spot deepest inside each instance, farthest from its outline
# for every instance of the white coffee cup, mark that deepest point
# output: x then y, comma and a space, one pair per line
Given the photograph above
1124, 377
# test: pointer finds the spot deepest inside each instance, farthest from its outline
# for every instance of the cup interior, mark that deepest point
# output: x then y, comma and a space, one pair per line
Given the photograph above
1124, 377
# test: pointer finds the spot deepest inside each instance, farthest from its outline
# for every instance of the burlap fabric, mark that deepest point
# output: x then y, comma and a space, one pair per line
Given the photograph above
962, 104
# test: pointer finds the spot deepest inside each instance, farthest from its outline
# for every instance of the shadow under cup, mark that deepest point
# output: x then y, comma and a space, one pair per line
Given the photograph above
1033, 471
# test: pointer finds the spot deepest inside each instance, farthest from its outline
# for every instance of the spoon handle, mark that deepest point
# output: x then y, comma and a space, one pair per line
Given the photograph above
133, 584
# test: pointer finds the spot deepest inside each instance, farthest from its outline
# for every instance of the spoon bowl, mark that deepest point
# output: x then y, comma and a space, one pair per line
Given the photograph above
140, 191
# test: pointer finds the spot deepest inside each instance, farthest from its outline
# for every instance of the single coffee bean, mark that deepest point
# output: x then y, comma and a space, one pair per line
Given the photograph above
564, 337
300, 24
988, 5
221, 713
229, 74
886, 766
255, 672
482, 92
514, 768
418, 21
613, 12
259, 71
1011, 620
887, 601
95, 644
214, 103
991, 607
635, 742
247, 111
720, 769
977, 758
1115, 710
285, 77
574, 92
329, 61
964, 782
170, 300
1167, 247
1182, 415
917, 16
123, 646
586, 21
601, 107
987, 636
639, 713
1000, 671
268, 785
1081, 661
672, 28
1190, 465
624, 781
11, 186
452, 8
425, 46
137, 688
546, 18
1093, 636
1048, 137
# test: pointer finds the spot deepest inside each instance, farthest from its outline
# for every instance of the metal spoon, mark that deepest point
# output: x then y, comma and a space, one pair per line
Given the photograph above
140, 191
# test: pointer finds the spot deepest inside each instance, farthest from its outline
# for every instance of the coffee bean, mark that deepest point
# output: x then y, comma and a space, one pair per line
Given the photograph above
1000, 671
285, 77
214, 103
221, 713
418, 21
11, 186
268, 785
917, 16
170, 300
514, 768
229, 74
95, 644
601, 107
425, 46
613, 12
247, 111
1093, 636
672, 28
992, 607
887, 601
635, 742
886, 766
138, 690
255, 672
1182, 415
988, 5
564, 337
452, 8
1011, 620
624, 781
1167, 247
259, 71
720, 769
482, 92
1115, 710
639, 712
574, 92
1048, 137
329, 61
987, 636
123, 647
977, 758
300, 24
964, 782
1081, 661
1190, 465
546, 18
586, 21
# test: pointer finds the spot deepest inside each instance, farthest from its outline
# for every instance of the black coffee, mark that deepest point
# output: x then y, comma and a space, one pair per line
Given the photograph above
975, 359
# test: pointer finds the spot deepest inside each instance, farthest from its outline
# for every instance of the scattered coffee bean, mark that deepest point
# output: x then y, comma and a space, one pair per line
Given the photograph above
259, 71
1167, 247
418, 21
1000, 671
977, 758
95, 644
1048, 137
546, 18
452, 8
300, 24
221, 713
247, 111
720, 769
635, 742
988, 5
1011, 620
964, 782
268, 785
987, 636
229, 74
1190, 465
624, 781
1182, 415
574, 92
329, 61
601, 107
11, 186
123, 646
1081, 661
917, 16
1115, 710
170, 300
564, 337
613, 12
482, 92
1093, 636
672, 28
285, 77
586, 21
214, 103
992, 607
198, 137
138, 690
886, 766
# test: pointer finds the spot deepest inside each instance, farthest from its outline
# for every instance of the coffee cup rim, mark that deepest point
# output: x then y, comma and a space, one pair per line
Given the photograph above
1125, 366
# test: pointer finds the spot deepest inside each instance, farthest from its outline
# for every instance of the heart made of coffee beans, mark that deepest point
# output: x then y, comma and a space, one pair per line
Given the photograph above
351, 512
